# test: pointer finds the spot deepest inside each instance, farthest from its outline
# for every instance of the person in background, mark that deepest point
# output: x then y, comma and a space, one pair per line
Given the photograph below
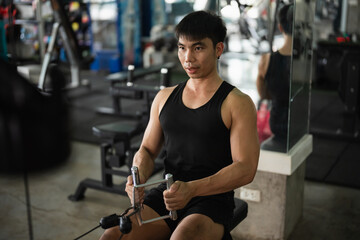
273, 81
207, 128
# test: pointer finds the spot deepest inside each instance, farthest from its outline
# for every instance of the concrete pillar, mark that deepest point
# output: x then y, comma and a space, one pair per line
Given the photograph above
275, 197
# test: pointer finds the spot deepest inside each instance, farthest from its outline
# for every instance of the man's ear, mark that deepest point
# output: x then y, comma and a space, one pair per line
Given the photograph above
219, 48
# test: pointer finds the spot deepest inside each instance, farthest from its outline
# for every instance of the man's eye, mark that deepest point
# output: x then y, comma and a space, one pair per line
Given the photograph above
198, 48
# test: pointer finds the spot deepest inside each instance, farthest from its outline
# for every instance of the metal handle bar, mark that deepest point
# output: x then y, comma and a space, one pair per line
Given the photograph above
169, 181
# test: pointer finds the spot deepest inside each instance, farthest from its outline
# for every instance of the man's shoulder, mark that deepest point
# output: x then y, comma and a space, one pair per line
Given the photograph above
238, 99
237, 105
237, 95
165, 93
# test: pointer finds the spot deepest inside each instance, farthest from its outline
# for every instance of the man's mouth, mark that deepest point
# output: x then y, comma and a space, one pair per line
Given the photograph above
191, 69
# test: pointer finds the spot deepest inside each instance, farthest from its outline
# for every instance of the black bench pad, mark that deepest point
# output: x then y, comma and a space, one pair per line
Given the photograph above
240, 212
118, 130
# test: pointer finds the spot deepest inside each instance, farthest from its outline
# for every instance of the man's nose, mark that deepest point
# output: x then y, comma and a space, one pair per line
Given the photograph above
189, 56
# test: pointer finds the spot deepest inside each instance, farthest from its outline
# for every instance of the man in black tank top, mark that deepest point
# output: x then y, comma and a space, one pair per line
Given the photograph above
207, 128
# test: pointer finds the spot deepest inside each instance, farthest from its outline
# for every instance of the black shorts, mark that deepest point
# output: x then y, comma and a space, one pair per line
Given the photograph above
217, 207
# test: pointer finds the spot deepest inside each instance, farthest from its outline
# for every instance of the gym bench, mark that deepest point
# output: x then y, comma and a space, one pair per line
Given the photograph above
116, 152
116, 149
240, 212
128, 78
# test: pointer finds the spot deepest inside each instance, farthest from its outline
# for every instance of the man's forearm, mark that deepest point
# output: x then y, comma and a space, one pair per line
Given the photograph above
227, 179
145, 164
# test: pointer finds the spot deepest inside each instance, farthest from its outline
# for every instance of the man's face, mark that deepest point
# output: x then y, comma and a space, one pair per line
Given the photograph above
198, 58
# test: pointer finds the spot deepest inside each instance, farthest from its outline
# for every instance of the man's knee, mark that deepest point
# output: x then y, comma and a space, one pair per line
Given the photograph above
111, 233
198, 226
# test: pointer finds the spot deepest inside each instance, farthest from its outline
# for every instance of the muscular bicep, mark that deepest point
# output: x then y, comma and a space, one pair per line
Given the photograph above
243, 133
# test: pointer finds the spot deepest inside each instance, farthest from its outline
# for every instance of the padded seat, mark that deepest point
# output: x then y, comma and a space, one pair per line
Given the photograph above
116, 152
116, 141
116, 131
240, 212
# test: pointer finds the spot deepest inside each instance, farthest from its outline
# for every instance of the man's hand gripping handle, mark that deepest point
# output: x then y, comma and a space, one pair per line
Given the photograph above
169, 181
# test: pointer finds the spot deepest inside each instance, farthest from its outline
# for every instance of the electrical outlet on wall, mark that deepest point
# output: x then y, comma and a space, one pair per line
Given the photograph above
250, 194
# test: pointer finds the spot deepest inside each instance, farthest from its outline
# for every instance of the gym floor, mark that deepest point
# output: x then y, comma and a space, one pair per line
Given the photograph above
330, 212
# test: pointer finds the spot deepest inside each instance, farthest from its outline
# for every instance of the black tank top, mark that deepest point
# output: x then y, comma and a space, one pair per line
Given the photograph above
196, 141
277, 80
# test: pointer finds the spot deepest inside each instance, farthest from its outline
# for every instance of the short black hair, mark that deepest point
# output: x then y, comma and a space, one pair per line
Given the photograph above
202, 24
285, 18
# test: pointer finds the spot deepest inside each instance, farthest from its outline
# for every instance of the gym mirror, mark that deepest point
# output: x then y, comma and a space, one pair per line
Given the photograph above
301, 71
253, 31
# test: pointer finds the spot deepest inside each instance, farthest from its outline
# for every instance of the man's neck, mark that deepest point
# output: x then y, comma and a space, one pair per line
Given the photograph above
202, 85
198, 92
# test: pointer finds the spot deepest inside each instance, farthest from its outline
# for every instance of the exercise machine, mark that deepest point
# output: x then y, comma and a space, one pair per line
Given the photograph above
123, 85
116, 138
72, 49
123, 220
